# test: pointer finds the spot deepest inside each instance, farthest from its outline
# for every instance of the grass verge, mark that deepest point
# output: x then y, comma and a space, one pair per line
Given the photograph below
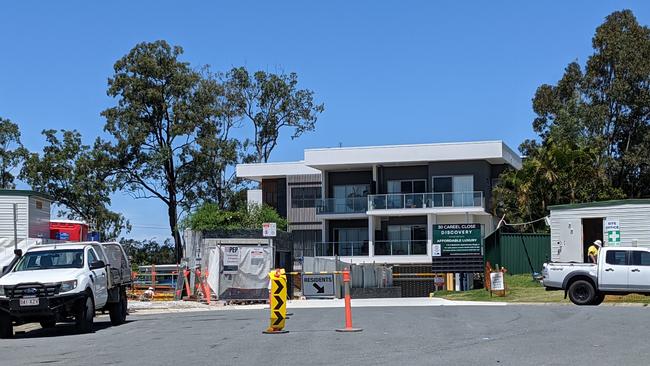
522, 288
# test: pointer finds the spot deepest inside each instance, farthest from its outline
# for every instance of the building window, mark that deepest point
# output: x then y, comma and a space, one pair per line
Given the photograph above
304, 242
403, 240
350, 242
302, 197
454, 191
351, 190
39, 205
406, 193
349, 198
407, 186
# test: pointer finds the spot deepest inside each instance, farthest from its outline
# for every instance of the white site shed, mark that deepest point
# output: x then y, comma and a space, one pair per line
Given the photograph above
32, 220
575, 226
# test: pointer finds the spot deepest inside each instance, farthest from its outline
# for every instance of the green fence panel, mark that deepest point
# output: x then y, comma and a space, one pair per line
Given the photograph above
492, 249
513, 255
507, 250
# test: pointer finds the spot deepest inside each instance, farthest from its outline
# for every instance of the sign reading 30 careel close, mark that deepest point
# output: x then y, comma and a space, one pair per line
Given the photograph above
456, 239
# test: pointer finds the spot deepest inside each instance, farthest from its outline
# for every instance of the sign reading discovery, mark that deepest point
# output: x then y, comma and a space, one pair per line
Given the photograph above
456, 239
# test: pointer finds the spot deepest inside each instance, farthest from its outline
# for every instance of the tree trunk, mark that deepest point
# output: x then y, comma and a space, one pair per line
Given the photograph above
173, 225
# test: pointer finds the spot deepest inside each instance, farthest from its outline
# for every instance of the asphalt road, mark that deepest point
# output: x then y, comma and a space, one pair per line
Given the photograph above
454, 335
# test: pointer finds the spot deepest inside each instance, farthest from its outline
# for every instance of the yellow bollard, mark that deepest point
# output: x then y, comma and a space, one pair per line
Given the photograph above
278, 303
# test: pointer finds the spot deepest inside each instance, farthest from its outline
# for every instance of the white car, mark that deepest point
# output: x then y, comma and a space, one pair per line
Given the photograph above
65, 282
620, 271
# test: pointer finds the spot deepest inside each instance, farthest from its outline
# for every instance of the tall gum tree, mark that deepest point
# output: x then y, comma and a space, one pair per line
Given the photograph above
160, 112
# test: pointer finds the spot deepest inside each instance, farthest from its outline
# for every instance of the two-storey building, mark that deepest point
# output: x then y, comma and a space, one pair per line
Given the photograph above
386, 204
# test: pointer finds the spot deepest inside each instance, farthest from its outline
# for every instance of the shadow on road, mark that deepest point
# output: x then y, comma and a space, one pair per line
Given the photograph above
61, 330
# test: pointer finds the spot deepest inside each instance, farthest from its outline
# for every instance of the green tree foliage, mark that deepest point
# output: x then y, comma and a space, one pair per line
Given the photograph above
211, 217
78, 177
12, 152
218, 148
593, 127
177, 132
162, 106
272, 102
149, 251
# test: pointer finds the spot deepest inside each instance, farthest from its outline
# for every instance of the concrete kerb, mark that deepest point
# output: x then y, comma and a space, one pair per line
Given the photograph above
136, 307
185, 306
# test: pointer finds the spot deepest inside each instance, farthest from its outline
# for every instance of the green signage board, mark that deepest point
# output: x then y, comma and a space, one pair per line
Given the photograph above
613, 228
456, 239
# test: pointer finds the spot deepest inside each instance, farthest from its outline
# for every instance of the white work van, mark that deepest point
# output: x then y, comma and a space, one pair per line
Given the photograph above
65, 282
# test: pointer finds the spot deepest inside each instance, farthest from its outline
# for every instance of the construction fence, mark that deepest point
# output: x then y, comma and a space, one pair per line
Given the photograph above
518, 252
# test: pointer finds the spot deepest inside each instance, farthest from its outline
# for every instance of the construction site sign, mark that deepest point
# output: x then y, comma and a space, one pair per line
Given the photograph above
278, 300
457, 239
314, 285
269, 229
496, 281
231, 255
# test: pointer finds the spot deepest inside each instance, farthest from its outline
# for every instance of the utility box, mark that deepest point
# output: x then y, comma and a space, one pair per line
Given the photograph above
68, 230
575, 227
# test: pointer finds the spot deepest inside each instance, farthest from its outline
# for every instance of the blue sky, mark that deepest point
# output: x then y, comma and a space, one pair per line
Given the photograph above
388, 72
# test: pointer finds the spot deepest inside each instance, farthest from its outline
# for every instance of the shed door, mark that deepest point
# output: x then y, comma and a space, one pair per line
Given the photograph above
570, 246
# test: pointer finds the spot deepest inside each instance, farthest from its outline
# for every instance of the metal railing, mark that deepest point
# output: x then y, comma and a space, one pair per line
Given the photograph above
341, 249
401, 247
342, 205
425, 200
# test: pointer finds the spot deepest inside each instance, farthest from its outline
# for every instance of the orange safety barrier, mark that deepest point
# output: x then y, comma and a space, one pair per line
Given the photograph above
206, 287
348, 305
201, 284
186, 279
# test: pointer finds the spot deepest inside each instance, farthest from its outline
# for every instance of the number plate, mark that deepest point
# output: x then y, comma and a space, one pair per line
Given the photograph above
29, 302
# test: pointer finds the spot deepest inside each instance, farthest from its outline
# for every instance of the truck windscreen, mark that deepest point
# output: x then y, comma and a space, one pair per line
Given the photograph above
51, 259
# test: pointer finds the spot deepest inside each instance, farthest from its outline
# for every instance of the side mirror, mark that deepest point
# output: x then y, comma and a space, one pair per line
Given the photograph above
97, 265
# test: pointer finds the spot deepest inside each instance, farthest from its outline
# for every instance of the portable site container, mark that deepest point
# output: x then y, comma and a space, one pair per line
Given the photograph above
32, 214
575, 227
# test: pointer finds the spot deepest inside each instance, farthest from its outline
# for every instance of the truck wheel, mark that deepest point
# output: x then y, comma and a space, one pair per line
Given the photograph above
598, 299
84, 316
118, 310
582, 292
6, 327
50, 323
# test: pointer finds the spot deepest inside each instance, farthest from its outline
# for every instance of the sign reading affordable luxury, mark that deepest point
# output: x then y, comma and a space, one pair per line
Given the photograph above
456, 239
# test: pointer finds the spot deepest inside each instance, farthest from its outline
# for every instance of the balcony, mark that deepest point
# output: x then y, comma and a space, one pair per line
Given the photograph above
347, 205
341, 249
425, 200
401, 247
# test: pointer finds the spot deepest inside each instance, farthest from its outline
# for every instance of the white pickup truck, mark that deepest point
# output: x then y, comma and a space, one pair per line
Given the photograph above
65, 282
620, 271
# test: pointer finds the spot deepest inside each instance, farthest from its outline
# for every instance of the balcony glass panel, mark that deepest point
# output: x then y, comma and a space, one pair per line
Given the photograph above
342, 205
341, 248
425, 200
401, 247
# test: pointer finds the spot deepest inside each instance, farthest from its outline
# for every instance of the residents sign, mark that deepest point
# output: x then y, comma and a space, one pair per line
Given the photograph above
456, 239
317, 285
